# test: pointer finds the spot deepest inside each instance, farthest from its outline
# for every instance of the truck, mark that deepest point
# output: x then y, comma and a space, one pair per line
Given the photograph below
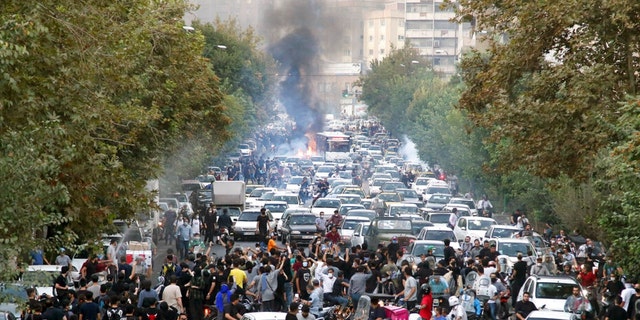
229, 195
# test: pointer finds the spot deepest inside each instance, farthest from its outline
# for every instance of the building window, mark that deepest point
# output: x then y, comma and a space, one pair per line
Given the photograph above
370, 52
370, 38
382, 37
381, 51
382, 22
347, 52
400, 38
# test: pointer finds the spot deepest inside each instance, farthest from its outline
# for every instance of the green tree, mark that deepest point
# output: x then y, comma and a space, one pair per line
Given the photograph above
92, 98
548, 86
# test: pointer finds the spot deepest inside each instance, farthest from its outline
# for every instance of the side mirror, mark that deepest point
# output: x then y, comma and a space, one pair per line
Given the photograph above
356, 234
463, 228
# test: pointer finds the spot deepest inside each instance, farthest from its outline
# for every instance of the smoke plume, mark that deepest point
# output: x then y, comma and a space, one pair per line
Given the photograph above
297, 27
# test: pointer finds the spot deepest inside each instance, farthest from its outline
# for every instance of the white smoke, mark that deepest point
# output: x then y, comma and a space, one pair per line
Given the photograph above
408, 150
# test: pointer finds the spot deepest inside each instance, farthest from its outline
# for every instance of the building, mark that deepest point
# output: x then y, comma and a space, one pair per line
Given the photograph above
383, 31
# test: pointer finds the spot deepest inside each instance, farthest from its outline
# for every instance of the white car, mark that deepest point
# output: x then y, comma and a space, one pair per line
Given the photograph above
420, 185
292, 199
549, 291
247, 222
437, 233
464, 201
245, 149
326, 205
375, 187
474, 227
256, 194
42, 277
293, 185
402, 209
348, 227
288, 212
264, 316
323, 172
549, 315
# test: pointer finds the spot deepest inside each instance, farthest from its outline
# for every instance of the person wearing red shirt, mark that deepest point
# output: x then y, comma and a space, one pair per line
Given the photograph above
586, 276
334, 236
426, 305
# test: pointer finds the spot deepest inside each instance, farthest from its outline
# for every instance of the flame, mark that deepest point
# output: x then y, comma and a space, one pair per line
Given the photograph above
311, 138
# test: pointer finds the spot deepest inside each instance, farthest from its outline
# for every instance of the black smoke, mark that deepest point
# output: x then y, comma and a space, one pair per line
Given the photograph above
297, 26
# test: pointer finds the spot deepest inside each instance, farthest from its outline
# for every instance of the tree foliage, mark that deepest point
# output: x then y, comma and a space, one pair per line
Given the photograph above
548, 87
92, 98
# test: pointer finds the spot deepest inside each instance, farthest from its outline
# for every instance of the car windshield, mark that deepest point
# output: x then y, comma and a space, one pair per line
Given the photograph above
554, 290
325, 169
350, 200
480, 224
394, 225
503, 233
360, 213
512, 249
463, 201
287, 199
403, 210
379, 182
438, 235
327, 203
439, 218
422, 182
407, 193
439, 199
302, 220
418, 249
267, 195
279, 207
391, 186
418, 225
351, 224
249, 216
257, 193
389, 197
433, 190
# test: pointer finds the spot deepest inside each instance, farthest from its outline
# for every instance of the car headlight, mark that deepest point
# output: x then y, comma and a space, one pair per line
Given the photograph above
295, 232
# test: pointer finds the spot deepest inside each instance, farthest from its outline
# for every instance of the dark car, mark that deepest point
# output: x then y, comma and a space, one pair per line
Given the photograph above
300, 228
382, 229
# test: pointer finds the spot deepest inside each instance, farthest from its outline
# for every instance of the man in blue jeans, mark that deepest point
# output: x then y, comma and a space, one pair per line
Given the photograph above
183, 236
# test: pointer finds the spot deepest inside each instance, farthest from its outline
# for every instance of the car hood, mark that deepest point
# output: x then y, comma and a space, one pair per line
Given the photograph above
550, 304
303, 227
404, 239
346, 232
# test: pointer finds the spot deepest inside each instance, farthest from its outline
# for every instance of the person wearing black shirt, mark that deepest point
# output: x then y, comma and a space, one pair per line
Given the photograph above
232, 309
224, 221
616, 311
262, 226
293, 312
484, 252
376, 312
524, 307
210, 219
449, 252
302, 278
518, 277
615, 286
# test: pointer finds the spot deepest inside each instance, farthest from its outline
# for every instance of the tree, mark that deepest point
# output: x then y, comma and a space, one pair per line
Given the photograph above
548, 86
92, 98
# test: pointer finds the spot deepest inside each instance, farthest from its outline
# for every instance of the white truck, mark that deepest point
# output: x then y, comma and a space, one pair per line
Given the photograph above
230, 195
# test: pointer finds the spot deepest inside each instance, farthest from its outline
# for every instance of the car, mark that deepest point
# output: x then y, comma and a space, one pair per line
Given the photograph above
292, 199
392, 186
317, 160
348, 198
348, 226
409, 195
245, 149
463, 210
501, 231
549, 315
259, 202
13, 297
350, 189
375, 186
435, 189
293, 184
465, 201
437, 233
389, 197
362, 213
474, 227
346, 207
538, 242
420, 185
439, 218
245, 227
277, 208
401, 209
418, 247
300, 228
323, 172
508, 248
42, 277
326, 205
418, 224
256, 195
289, 212
382, 229
550, 291
130, 229
437, 202
250, 187
234, 156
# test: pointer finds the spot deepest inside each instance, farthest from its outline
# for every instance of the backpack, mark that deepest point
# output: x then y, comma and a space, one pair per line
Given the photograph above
167, 272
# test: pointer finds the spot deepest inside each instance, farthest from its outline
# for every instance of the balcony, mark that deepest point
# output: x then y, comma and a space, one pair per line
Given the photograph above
416, 33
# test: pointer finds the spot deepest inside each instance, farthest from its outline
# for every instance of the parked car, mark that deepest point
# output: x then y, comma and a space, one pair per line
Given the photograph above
300, 228
381, 230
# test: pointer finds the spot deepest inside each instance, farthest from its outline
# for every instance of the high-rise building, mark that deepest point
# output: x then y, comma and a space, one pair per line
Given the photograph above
383, 30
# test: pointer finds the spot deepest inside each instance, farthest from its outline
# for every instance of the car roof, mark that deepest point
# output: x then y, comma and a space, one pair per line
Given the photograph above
478, 218
436, 227
554, 279
275, 202
551, 315
439, 242
357, 218
504, 226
